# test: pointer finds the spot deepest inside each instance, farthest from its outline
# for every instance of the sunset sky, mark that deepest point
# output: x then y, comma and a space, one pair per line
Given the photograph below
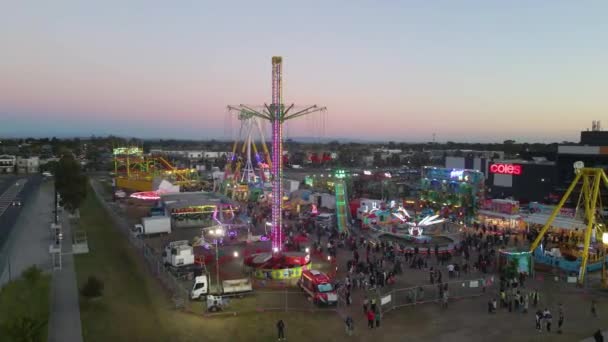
387, 70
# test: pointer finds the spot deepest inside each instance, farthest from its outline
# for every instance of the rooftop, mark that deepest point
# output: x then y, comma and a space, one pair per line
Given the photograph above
192, 199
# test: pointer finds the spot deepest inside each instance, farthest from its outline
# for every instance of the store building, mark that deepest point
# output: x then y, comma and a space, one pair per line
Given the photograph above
7, 163
521, 180
28, 165
472, 160
567, 155
592, 151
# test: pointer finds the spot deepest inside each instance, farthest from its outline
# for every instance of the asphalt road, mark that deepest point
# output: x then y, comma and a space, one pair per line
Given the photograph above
8, 219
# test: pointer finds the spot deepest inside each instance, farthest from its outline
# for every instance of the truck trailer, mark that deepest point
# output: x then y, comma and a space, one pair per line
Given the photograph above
200, 288
153, 225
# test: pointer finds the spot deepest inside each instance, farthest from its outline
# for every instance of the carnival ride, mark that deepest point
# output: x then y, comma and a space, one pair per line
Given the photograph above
240, 173
276, 113
398, 225
459, 191
135, 171
590, 181
342, 210
417, 228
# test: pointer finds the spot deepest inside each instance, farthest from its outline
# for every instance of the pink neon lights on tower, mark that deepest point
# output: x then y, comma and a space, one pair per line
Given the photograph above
277, 157
276, 113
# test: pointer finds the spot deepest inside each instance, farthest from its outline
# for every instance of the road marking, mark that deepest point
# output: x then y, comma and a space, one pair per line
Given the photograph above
7, 198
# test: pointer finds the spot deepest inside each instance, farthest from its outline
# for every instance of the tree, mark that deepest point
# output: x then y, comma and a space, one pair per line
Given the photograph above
93, 288
70, 183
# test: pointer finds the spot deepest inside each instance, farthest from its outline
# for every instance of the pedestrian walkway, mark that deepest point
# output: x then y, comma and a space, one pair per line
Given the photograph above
64, 324
27, 244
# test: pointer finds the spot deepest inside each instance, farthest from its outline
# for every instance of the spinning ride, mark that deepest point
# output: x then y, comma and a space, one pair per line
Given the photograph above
417, 228
590, 181
276, 113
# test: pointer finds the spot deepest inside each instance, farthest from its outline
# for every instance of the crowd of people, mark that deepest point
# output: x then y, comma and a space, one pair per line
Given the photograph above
374, 264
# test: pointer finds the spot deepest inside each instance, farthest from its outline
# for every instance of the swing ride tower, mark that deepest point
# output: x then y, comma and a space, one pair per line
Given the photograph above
591, 180
276, 114
245, 154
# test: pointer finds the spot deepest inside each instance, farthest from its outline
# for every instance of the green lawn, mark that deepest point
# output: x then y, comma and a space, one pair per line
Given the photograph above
130, 307
24, 307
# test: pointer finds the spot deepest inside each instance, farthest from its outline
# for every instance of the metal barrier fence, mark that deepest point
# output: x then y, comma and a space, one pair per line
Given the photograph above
392, 299
180, 294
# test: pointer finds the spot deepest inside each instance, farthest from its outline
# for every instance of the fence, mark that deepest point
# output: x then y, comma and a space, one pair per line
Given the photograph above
180, 294
396, 298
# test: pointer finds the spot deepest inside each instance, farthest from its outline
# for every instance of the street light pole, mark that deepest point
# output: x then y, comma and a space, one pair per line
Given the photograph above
217, 265
55, 211
217, 233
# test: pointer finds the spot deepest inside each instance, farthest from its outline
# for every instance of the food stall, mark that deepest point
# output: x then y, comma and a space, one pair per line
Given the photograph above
502, 213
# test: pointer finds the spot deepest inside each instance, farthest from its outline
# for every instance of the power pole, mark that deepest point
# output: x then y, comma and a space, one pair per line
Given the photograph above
55, 209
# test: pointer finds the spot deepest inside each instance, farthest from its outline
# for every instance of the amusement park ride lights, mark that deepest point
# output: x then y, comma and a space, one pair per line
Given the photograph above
592, 179
416, 228
136, 171
250, 131
277, 113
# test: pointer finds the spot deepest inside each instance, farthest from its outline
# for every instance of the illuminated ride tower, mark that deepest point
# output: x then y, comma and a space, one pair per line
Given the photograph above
277, 113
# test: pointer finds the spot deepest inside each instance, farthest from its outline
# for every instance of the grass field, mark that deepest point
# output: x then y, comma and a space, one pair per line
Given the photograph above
24, 304
135, 308
129, 308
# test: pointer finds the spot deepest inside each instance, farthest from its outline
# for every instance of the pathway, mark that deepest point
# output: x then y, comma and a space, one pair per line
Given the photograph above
64, 324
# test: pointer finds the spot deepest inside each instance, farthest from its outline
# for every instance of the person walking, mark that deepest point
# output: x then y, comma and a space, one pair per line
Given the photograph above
560, 318
349, 325
598, 337
548, 319
370, 319
535, 297
593, 308
365, 304
281, 330
378, 316
539, 316
349, 298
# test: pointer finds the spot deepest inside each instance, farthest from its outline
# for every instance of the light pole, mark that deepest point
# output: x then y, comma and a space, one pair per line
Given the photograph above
217, 233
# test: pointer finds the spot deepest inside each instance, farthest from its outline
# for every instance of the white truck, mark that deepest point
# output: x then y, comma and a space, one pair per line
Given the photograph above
153, 225
235, 286
178, 257
178, 253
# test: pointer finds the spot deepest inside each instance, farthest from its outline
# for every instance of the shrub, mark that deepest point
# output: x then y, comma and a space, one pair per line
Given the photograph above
23, 329
92, 288
32, 274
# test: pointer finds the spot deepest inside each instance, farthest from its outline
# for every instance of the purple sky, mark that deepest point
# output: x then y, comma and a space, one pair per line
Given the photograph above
387, 70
